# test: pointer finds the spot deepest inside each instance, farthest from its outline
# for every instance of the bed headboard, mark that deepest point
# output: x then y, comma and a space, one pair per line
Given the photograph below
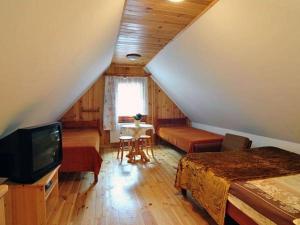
81, 124
172, 122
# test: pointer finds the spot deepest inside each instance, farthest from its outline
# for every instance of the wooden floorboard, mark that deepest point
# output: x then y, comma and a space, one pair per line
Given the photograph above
127, 194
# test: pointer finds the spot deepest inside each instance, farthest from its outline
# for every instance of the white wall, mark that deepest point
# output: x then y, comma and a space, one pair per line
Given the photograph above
257, 141
238, 67
50, 52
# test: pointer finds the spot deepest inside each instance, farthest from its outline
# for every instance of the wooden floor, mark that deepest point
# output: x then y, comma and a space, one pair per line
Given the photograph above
126, 194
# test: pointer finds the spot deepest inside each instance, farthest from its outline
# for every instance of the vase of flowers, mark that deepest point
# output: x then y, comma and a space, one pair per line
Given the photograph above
137, 119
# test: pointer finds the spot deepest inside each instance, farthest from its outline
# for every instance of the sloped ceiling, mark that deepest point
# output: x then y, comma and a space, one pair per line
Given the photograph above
51, 52
148, 25
238, 67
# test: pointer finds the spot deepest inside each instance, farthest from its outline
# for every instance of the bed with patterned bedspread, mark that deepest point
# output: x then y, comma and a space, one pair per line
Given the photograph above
208, 176
268, 201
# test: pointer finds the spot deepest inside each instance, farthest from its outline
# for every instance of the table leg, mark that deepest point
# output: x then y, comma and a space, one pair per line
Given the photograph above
133, 152
144, 158
136, 150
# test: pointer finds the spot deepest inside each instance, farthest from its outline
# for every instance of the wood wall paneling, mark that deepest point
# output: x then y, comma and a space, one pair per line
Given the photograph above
148, 25
90, 105
126, 70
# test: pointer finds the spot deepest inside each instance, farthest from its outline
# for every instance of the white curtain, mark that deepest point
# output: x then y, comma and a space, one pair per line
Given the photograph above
109, 111
131, 96
124, 96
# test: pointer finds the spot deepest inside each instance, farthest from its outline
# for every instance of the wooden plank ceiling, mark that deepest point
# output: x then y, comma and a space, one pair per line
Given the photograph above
148, 25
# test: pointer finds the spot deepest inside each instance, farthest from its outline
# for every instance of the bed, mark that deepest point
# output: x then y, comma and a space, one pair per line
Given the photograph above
178, 133
266, 201
210, 175
81, 141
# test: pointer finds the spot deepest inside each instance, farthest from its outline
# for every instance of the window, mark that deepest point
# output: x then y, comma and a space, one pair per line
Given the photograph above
124, 97
131, 97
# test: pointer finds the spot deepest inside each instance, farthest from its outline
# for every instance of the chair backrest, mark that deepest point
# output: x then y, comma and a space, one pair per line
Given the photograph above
233, 142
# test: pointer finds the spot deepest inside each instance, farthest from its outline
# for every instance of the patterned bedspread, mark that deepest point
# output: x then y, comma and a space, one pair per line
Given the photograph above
208, 175
277, 199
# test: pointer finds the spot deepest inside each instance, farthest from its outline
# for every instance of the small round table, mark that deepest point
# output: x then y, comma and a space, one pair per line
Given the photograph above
136, 131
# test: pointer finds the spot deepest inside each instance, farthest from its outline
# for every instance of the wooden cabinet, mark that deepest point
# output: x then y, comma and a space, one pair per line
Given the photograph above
30, 204
3, 191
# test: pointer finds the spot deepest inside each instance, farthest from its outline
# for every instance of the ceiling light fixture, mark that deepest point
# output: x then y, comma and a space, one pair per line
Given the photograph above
133, 56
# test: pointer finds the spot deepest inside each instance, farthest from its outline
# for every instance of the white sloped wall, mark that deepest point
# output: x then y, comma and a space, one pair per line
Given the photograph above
51, 51
238, 67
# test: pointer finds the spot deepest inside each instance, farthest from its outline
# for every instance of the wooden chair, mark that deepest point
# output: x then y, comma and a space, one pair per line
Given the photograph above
146, 142
124, 144
233, 142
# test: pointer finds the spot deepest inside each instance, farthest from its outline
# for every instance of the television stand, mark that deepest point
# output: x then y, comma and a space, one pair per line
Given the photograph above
3, 191
31, 204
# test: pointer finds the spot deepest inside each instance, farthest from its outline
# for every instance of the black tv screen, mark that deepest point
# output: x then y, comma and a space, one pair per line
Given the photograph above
29, 153
45, 145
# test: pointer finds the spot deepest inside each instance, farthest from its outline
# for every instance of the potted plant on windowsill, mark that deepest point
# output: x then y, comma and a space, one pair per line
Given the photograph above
137, 119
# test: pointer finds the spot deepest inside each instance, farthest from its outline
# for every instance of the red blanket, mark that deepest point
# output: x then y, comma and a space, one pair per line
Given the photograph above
186, 138
81, 151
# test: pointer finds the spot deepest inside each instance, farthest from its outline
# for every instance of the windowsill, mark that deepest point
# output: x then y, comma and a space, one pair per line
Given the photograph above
129, 119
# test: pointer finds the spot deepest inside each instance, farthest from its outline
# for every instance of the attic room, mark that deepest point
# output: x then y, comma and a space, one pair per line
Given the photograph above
150, 112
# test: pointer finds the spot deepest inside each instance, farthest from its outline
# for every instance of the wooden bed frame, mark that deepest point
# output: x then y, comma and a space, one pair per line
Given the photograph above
232, 213
172, 122
81, 124
237, 215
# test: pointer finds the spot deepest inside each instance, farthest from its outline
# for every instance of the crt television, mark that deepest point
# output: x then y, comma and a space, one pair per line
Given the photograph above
29, 153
